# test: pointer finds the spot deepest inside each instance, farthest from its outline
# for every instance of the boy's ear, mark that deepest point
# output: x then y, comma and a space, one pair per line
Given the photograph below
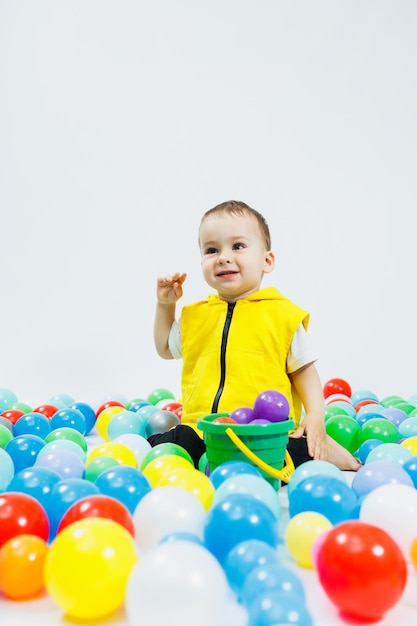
269, 263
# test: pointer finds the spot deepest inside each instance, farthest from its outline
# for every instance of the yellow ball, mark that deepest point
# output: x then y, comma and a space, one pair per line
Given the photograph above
117, 451
191, 480
410, 444
164, 464
103, 420
88, 566
301, 533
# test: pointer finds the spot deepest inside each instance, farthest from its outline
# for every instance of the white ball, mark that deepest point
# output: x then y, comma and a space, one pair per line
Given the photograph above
166, 510
177, 583
393, 508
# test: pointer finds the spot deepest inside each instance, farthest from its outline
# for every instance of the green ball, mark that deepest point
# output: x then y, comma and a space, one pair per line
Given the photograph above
162, 449
202, 464
330, 411
391, 400
345, 430
67, 433
21, 406
97, 466
5, 436
156, 395
381, 429
404, 406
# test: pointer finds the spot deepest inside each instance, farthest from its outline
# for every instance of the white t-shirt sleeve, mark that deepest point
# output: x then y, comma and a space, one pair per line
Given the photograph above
301, 353
174, 340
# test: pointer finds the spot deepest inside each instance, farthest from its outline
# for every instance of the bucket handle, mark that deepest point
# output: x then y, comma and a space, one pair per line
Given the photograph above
284, 474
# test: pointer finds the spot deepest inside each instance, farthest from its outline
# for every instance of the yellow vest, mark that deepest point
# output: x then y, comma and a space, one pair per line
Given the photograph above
253, 359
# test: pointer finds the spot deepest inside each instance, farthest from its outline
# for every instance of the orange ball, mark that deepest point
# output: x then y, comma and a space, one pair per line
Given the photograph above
21, 566
413, 553
224, 420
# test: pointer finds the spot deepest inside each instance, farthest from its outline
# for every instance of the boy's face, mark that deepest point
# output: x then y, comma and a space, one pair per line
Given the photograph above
233, 255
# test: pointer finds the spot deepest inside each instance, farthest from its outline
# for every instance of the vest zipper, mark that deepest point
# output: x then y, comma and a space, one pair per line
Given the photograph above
226, 328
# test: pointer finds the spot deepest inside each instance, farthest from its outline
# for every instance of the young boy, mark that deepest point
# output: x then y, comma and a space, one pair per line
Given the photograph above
242, 340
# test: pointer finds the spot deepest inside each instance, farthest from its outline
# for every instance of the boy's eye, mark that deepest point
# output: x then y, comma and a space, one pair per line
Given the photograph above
238, 246
211, 250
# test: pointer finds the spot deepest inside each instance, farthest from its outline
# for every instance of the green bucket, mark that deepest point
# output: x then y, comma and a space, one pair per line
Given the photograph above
267, 441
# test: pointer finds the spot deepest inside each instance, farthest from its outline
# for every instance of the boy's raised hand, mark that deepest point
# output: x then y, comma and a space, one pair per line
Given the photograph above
169, 288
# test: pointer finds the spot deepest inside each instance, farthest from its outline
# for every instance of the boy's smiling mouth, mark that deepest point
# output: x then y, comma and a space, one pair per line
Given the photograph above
227, 273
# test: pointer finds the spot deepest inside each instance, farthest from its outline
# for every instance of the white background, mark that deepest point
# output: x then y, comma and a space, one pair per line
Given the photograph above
121, 122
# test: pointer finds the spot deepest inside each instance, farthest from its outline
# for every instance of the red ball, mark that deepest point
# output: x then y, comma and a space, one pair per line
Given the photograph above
107, 404
361, 569
46, 409
98, 505
12, 415
21, 514
171, 406
178, 411
364, 403
336, 385
224, 420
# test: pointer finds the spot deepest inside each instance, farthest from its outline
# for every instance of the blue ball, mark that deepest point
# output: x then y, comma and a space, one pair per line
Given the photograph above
24, 450
126, 422
326, 495
390, 452
243, 558
361, 395
69, 418
271, 576
37, 482
408, 428
394, 415
60, 400
313, 468
366, 447
124, 483
7, 398
139, 404
63, 494
32, 424
271, 608
367, 415
249, 484
88, 412
235, 519
411, 468
378, 473
232, 468
181, 536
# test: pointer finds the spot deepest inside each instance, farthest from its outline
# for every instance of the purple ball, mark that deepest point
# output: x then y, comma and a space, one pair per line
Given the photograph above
272, 406
243, 415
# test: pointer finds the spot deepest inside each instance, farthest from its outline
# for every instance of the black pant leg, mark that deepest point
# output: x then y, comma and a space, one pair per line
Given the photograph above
184, 436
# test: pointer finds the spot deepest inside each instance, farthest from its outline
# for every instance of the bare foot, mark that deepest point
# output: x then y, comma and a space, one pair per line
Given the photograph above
339, 456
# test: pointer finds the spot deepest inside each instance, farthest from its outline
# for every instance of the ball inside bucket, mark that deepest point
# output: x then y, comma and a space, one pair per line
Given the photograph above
272, 406
267, 441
